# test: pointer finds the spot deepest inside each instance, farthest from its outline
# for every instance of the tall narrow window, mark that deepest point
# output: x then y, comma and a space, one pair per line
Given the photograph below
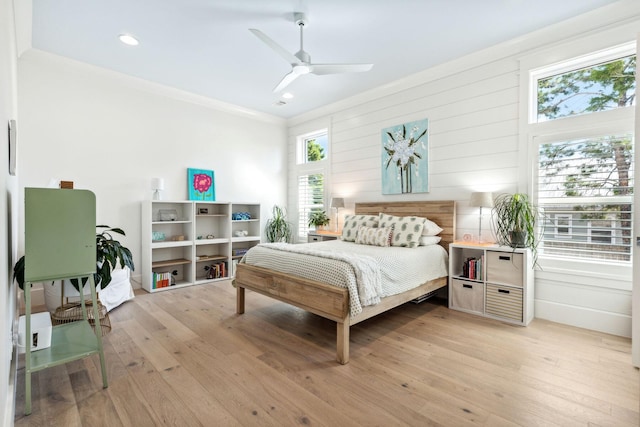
312, 163
310, 199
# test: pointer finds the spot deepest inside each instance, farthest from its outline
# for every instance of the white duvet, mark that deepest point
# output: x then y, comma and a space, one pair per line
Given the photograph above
335, 262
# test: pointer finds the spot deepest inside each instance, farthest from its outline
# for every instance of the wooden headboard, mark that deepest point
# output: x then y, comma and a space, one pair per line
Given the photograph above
442, 212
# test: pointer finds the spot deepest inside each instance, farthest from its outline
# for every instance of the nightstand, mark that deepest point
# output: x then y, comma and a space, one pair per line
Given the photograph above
492, 281
322, 236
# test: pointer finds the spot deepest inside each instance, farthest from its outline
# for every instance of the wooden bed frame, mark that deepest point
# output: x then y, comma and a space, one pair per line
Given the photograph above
332, 302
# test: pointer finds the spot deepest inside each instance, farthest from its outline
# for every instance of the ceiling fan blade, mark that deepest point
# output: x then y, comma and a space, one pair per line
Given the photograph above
288, 56
286, 80
321, 69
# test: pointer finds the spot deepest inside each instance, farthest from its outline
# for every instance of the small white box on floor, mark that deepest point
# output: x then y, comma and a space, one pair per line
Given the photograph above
40, 332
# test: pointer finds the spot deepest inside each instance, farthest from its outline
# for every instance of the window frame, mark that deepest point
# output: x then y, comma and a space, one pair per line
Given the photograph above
572, 64
303, 168
620, 120
606, 127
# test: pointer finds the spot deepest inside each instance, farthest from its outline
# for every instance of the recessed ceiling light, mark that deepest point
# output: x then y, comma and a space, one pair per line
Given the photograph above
128, 39
287, 95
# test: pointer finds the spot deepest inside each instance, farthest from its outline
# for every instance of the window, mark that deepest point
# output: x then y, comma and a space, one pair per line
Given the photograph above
563, 225
312, 147
585, 190
310, 199
585, 165
312, 164
599, 87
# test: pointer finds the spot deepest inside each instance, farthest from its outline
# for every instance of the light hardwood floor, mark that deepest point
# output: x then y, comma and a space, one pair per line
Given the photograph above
184, 358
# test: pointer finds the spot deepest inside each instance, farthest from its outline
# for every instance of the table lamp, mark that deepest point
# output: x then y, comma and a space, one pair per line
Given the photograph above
481, 199
157, 185
337, 202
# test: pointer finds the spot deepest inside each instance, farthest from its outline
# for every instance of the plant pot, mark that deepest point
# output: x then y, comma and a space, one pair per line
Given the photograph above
518, 239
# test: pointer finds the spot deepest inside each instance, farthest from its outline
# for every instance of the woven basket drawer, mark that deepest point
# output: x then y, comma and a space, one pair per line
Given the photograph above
468, 296
504, 301
505, 268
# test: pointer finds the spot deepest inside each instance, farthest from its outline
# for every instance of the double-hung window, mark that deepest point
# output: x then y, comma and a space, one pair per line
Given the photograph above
583, 137
311, 166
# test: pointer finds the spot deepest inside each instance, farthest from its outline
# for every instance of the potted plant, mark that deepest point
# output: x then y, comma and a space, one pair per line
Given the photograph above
278, 229
514, 221
109, 253
318, 219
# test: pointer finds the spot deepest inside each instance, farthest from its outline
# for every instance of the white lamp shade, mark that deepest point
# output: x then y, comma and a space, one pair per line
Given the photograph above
337, 202
157, 184
481, 199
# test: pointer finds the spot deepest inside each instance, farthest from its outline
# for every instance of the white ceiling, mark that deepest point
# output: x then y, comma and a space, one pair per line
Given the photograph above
205, 47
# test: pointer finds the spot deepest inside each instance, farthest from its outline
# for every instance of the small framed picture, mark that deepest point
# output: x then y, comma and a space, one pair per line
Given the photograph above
203, 211
201, 185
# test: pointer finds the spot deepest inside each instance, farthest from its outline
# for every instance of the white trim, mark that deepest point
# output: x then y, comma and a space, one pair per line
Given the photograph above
635, 299
572, 271
581, 317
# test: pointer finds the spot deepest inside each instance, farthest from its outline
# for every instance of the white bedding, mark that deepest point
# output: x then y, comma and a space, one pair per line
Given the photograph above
400, 269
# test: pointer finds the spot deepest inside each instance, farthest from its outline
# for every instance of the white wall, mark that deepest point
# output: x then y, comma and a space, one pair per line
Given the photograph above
636, 255
111, 134
8, 209
473, 105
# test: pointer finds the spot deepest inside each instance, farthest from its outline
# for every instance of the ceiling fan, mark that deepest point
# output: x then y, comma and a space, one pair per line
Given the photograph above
301, 61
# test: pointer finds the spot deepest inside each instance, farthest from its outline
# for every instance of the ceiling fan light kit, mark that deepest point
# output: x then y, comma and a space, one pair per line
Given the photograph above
301, 61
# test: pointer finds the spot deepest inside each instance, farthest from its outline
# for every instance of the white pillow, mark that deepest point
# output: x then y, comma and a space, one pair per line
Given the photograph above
375, 236
429, 240
430, 228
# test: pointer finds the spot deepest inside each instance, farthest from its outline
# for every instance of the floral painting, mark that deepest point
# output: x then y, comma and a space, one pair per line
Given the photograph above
201, 185
405, 162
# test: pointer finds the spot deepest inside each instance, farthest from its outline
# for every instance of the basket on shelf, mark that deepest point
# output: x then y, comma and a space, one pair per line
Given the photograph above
72, 312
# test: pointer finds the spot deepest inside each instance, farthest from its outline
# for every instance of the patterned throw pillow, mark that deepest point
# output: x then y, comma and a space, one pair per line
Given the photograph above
375, 236
353, 222
406, 229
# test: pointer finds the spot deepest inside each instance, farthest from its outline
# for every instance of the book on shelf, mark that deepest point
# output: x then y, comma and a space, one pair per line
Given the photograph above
161, 280
217, 270
239, 252
472, 268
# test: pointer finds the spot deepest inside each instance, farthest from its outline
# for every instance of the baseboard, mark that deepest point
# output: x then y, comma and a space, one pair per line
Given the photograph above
10, 404
582, 317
